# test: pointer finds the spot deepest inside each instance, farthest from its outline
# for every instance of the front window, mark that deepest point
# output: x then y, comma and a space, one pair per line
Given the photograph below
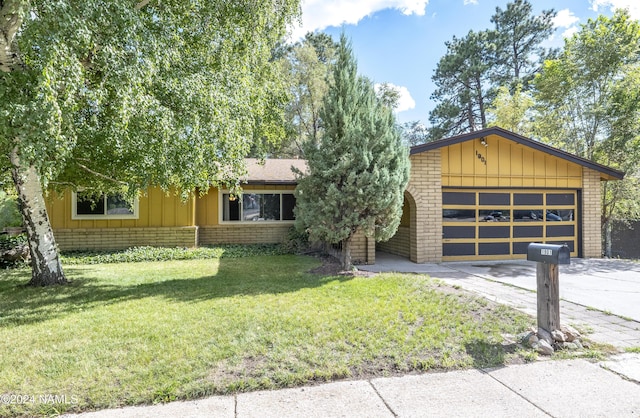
103, 206
252, 207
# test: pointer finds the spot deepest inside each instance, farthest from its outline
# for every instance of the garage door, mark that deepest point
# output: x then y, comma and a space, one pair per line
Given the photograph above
498, 224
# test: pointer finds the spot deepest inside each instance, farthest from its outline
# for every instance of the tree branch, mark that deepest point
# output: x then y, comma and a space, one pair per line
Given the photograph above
142, 4
95, 173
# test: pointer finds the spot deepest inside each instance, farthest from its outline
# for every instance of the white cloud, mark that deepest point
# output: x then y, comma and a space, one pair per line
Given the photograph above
569, 32
632, 5
467, 2
405, 102
566, 19
320, 14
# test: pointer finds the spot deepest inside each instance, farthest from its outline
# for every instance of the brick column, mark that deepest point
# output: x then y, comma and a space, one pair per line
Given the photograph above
371, 251
426, 225
591, 214
363, 249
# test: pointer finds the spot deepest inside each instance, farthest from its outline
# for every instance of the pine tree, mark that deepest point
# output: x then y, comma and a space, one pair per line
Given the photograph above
463, 87
518, 38
475, 66
358, 173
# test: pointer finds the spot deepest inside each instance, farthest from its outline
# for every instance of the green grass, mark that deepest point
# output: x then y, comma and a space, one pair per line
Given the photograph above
149, 332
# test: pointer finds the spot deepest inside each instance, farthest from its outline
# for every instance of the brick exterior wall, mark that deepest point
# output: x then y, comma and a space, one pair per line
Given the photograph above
425, 188
399, 244
591, 213
267, 233
122, 238
363, 249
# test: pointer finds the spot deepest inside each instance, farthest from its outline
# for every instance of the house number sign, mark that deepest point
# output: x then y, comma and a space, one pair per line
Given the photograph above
481, 157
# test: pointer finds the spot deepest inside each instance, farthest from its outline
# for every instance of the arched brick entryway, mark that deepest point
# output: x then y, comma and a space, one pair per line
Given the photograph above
404, 242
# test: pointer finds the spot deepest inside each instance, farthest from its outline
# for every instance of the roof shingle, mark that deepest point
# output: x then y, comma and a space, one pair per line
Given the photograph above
273, 171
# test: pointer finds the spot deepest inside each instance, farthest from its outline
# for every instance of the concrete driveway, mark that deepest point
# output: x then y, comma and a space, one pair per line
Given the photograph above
608, 285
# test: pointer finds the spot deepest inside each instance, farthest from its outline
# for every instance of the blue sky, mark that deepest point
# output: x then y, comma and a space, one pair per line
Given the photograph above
401, 41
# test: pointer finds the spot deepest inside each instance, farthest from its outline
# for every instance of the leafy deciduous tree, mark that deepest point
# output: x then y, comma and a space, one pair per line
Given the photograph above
388, 94
512, 111
414, 133
588, 103
117, 96
358, 173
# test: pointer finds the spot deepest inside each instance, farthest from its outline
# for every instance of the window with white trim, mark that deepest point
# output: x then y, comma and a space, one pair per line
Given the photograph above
103, 206
275, 206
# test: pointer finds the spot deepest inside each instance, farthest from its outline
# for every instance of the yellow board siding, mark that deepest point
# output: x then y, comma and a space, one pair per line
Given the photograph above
155, 209
207, 206
505, 163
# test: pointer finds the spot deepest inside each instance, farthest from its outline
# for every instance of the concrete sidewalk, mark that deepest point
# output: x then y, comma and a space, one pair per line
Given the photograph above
572, 388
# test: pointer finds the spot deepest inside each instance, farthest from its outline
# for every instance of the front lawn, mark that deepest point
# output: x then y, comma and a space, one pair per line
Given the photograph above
136, 333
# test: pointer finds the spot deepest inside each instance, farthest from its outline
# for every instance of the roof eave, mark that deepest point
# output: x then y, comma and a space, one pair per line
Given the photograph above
271, 182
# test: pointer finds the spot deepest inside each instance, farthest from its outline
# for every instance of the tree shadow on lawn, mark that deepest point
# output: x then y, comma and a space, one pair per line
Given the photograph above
22, 304
488, 355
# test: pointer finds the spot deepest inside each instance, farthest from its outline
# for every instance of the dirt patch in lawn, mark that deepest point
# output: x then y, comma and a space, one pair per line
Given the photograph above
331, 267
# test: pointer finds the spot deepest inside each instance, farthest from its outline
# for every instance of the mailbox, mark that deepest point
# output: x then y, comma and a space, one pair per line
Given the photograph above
549, 253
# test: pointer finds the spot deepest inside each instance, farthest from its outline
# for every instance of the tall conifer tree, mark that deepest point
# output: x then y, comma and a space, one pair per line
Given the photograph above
358, 173
475, 66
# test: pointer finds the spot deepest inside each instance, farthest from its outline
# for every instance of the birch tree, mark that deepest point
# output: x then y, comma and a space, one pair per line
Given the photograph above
114, 95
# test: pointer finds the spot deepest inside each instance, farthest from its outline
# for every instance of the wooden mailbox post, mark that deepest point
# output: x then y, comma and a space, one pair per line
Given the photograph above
548, 257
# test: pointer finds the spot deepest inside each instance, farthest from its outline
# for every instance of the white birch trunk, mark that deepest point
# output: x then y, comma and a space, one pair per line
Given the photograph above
45, 263
11, 12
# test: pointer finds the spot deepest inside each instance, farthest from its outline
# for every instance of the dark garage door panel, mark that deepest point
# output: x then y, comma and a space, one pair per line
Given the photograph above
497, 223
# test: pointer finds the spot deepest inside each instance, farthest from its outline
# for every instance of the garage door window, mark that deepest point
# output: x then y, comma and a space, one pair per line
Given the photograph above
495, 215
